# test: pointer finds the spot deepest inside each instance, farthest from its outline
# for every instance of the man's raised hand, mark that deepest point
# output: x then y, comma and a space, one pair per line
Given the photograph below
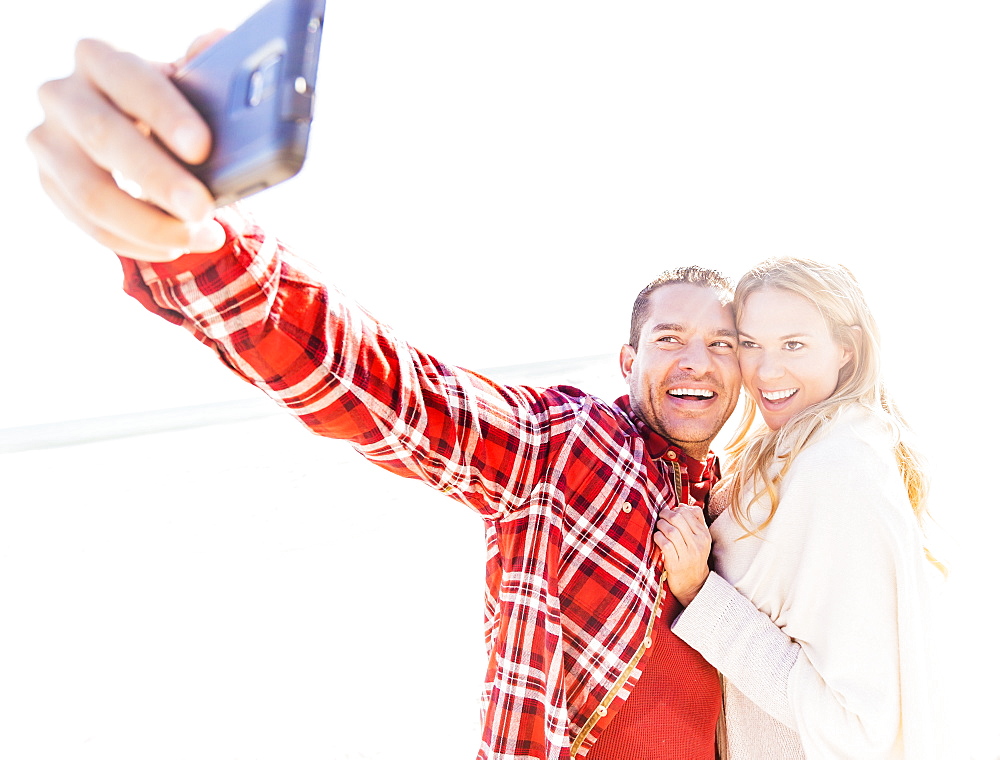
109, 120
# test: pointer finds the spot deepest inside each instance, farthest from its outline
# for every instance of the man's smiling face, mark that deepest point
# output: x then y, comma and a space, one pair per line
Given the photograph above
683, 374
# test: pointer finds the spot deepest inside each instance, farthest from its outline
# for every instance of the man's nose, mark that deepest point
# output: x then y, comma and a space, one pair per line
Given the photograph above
696, 358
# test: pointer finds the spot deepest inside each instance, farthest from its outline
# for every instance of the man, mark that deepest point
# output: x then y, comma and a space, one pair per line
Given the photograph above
581, 659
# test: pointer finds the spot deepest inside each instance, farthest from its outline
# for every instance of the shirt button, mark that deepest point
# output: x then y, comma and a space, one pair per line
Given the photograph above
671, 455
602, 711
626, 507
648, 642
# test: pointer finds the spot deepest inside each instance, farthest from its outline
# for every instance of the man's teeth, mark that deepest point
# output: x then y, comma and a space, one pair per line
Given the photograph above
698, 392
778, 395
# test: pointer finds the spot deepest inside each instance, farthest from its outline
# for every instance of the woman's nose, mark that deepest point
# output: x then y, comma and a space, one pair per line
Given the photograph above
770, 367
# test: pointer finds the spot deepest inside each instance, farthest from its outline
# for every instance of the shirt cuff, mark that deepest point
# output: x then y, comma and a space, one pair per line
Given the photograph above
140, 277
229, 219
699, 621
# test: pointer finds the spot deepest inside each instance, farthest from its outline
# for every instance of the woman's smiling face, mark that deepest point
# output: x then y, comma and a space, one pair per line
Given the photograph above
788, 358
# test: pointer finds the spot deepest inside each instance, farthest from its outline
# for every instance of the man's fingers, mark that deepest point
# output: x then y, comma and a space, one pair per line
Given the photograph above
187, 240
99, 106
202, 43
90, 136
91, 198
144, 92
111, 141
104, 237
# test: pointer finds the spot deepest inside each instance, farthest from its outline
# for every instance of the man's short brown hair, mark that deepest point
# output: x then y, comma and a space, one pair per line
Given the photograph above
693, 275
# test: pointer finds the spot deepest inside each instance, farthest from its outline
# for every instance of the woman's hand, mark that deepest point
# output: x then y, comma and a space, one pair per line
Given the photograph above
685, 544
108, 121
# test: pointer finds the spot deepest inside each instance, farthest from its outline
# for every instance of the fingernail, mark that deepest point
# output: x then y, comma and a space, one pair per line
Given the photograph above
207, 237
188, 142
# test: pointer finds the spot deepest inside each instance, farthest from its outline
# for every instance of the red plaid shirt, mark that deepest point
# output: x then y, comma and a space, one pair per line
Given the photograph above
569, 486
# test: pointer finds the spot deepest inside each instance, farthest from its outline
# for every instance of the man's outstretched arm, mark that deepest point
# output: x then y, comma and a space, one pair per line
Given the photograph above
268, 317
345, 375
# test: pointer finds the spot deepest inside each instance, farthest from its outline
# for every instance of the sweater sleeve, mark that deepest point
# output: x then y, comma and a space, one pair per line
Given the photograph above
825, 660
345, 375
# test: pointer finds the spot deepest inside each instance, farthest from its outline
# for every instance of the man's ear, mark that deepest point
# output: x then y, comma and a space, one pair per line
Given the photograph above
625, 358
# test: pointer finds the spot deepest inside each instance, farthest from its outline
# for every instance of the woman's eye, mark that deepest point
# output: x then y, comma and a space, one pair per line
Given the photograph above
747, 344
794, 345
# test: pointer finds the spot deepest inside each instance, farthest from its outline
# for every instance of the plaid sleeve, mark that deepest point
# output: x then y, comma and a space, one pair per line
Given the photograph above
345, 375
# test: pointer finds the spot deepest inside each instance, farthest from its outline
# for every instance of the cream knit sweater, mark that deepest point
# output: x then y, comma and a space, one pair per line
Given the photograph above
819, 625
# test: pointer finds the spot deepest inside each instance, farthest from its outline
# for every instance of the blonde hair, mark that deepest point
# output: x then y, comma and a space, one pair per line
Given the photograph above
836, 294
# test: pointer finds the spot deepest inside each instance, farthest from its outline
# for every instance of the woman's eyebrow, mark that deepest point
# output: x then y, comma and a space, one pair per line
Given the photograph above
790, 336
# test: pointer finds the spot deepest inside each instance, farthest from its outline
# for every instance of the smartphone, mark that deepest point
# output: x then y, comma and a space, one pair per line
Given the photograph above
255, 88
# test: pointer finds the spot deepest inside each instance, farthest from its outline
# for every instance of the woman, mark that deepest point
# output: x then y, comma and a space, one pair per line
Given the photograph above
816, 612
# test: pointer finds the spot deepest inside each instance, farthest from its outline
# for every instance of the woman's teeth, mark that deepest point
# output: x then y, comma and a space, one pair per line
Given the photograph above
778, 395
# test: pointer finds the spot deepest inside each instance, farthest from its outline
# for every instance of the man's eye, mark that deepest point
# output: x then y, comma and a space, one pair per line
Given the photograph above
723, 344
668, 339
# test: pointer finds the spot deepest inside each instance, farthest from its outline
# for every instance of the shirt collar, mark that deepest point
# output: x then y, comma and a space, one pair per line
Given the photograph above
663, 448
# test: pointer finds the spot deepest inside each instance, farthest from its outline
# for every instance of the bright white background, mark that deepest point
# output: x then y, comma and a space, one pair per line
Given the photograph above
497, 180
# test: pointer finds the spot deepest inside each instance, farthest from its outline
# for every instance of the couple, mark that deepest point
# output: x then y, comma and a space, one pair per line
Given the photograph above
611, 606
